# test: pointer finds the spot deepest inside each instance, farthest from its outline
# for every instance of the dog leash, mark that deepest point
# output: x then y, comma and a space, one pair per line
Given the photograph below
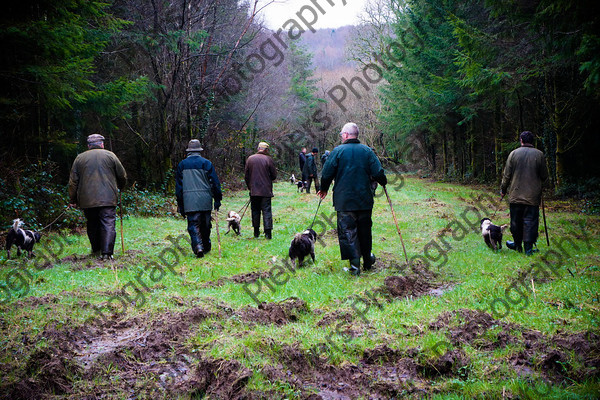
316, 212
55, 219
498, 207
245, 208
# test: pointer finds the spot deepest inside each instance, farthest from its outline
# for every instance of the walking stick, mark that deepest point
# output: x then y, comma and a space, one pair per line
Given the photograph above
218, 235
545, 226
396, 221
121, 212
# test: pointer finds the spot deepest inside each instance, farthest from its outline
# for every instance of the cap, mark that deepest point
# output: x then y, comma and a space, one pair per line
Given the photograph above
315, 150
194, 145
264, 145
95, 138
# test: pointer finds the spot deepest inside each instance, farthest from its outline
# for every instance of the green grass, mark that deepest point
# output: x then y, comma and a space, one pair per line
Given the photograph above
425, 209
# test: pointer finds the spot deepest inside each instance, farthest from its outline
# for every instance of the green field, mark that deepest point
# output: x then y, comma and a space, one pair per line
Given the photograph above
458, 321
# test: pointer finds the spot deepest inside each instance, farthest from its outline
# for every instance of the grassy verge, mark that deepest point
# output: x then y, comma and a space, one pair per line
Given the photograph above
459, 321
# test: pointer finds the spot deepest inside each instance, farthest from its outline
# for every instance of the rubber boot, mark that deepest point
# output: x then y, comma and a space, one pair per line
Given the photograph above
529, 250
354, 267
268, 233
256, 231
199, 251
369, 261
511, 245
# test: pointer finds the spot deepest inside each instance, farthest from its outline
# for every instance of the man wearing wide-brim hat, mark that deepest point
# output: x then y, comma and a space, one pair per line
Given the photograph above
196, 185
260, 172
96, 177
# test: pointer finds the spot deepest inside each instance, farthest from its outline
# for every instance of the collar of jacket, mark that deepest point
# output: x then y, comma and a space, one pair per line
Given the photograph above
353, 140
526, 145
193, 153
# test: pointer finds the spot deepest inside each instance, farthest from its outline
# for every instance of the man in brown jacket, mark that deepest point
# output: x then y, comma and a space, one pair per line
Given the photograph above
524, 175
260, 174
94, 183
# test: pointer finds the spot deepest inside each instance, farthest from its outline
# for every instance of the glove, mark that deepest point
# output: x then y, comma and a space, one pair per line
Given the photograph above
217, 205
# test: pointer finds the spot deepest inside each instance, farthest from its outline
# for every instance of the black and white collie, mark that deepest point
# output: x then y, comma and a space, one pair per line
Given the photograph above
492, 234
301, 185
233, 222
23, 239
303, 244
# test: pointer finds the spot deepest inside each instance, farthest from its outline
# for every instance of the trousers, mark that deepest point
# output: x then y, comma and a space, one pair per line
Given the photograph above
101, 228
199, 226
354, 234
524, 223
258, 205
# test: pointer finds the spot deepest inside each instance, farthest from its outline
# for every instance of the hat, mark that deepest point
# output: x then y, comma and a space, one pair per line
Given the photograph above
95, 138
264, 145
315, 150
194, 145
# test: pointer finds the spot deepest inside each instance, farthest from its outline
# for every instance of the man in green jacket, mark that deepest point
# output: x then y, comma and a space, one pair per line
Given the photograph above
196, 185
524, 175
94, 183
353, 166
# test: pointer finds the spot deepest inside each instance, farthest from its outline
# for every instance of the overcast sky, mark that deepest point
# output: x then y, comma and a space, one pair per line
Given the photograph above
277, 13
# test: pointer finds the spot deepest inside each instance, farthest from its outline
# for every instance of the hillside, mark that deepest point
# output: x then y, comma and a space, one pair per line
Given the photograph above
328, 47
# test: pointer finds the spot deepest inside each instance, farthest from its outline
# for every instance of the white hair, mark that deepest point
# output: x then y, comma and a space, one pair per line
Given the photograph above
351, 129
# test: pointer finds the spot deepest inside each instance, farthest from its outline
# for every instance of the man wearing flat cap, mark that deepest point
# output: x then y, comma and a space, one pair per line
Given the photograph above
260, 172
196, 185
310, 170
96, 177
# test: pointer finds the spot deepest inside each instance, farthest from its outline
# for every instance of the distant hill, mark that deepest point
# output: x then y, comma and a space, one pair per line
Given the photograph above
328, 47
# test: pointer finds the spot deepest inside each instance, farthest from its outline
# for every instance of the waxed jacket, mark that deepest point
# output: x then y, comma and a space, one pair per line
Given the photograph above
310, 167
95, 179
524, 175
260, 172
353, 166
196, 184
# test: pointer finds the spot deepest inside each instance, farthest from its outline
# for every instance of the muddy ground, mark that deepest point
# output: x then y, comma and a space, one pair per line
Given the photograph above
150, 356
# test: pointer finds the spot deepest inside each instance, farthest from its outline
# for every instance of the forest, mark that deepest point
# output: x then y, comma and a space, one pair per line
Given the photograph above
456, 82
440, 90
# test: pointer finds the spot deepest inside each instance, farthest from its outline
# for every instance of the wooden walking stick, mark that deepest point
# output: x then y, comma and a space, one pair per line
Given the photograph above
218, 234
544, 215
396, 221
121, 212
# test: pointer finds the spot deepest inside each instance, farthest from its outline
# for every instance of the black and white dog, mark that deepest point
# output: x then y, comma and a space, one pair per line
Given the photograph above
492, 234
23, 239
303, 244
301, 185
233, 222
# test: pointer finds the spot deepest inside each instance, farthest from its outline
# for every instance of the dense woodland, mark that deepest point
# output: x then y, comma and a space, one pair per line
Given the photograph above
461, 80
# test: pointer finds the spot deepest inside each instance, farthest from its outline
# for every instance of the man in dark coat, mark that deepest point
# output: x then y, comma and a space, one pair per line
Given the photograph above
524, 175
310, 170
260, 172
196, 185
302, 161
94, 183
324, 157
353, 166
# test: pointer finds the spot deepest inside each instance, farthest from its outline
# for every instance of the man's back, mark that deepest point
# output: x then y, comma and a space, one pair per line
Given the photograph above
197, 183
96, 176
260, 173
353, 166
524, 175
